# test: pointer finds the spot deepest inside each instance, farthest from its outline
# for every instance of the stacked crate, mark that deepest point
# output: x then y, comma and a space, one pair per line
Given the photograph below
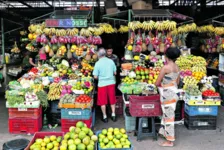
25, 120
201, 114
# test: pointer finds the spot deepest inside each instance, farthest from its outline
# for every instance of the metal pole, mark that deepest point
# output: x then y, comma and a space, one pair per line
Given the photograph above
129, 20
3, 41
93, 13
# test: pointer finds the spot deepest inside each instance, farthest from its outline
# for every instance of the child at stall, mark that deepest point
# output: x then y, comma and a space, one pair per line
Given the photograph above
168, 80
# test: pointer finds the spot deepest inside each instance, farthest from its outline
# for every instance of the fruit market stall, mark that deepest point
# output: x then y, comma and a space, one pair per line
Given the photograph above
62, 84
143, 60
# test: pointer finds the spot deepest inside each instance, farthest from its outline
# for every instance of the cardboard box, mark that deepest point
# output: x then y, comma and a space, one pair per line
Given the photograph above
111, 10
148, 6
139, 5
130, 2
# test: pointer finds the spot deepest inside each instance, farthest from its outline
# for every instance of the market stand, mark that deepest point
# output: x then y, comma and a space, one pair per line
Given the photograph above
140, 76
65, 70
140, 87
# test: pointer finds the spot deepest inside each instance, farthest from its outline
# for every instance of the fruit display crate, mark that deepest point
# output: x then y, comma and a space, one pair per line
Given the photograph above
42, 135
190, 97
211, 98
67, 123
119, 105
145, 106
201, 110
203, 103
54, 107
75, 113
35, 104
76, 105
200, 122
25, 112
24, 125
98, 145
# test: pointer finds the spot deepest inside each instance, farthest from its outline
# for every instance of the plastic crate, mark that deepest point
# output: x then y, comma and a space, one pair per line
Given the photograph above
35, 104
25, 125
67, 123
119, 105
203, 103
145, 106
54, 107
200, 122
190, 97
98, 145
201, 110
71, 113
42, 135
130, 123
25, 112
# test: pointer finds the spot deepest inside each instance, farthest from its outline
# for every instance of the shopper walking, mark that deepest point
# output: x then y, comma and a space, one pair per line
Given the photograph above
105, 72
168, 79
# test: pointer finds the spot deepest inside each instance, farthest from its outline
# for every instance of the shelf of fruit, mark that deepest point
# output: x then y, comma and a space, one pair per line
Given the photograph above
60, 80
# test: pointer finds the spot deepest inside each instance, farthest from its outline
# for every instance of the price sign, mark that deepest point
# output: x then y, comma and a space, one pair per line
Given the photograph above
75, 113
66, 23
22, 109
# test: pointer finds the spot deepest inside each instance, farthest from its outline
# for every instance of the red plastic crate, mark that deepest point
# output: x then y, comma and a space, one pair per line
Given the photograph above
25, 125
24, 113
145, 106
67, 123
119, 105
42, 135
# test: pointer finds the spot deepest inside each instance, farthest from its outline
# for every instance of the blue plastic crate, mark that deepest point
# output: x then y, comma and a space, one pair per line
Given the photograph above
201, 110
98, 145
70, 113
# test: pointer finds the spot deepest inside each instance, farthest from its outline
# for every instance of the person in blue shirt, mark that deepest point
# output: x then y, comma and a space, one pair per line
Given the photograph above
105, 72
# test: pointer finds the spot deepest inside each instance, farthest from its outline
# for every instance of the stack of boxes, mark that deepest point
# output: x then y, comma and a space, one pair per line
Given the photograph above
200, 113
70, 116
25, 120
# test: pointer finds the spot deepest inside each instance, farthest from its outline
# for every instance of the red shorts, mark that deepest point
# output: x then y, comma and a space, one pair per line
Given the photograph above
105, 93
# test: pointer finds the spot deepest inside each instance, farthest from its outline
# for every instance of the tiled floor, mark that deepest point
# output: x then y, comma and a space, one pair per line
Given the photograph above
185, 139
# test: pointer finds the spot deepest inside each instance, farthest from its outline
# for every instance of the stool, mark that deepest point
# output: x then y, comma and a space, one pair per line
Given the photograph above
149, 131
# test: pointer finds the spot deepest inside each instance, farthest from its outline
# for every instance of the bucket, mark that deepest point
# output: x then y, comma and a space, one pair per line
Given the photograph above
17, 144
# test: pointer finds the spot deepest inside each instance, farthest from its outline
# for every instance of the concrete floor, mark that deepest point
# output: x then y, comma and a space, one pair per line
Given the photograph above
185, 139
